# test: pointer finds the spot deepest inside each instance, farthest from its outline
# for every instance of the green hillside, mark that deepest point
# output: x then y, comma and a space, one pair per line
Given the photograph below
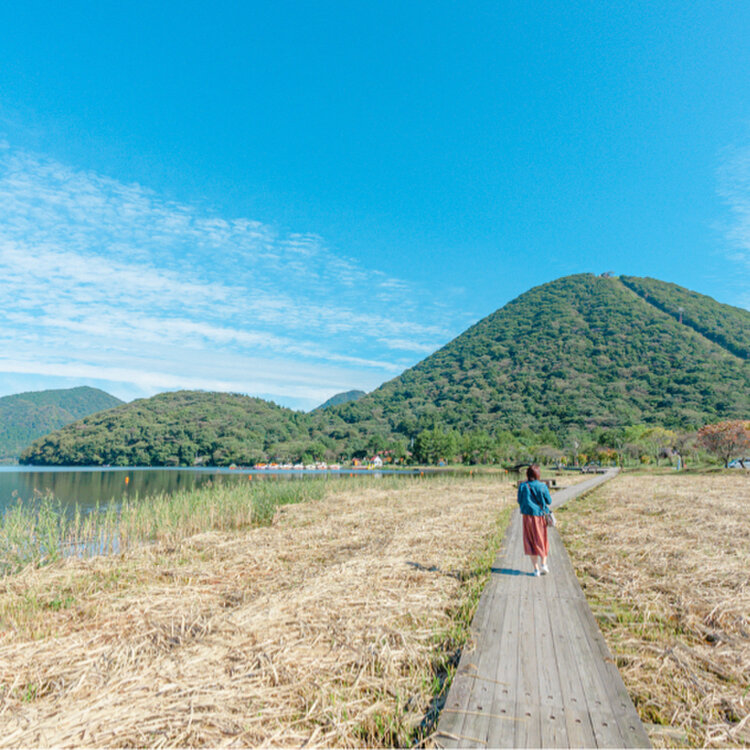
178, 428
578, 354
581, 351
727, 326
341, 398
26, 416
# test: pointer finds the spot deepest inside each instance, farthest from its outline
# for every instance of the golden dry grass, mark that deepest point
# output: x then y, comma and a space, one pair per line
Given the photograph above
324, 628
665, 563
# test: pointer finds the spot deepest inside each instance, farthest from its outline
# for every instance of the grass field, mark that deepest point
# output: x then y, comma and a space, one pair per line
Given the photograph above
334, 625
665, 563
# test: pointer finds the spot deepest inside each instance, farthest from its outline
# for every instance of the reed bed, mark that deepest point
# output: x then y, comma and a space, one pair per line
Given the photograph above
43, 531
332, 626
665, 564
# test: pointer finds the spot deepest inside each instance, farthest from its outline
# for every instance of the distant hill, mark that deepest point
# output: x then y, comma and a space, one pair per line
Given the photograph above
578, 352
181, 428
567, 357
26, 416
341, 398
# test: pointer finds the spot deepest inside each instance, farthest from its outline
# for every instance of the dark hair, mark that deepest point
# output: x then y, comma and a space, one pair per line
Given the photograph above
533, 473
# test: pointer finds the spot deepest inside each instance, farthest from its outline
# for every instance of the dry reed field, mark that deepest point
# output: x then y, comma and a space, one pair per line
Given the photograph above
665, 563
328, 627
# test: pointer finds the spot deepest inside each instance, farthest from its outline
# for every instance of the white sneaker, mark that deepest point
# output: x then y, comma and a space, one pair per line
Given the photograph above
545, 570
536, 573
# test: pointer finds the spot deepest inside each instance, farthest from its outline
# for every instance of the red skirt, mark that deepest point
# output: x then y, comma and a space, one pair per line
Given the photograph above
535, 540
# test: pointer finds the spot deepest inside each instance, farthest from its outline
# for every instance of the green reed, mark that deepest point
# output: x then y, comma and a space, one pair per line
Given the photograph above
42, 531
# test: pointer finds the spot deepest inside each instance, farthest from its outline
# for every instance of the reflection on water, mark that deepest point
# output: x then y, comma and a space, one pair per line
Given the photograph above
87, 487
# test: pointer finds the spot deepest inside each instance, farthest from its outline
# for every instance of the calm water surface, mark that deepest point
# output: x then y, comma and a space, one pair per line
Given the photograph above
89, 486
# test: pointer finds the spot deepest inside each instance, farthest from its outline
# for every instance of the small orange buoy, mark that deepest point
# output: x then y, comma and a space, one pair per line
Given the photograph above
127, 480
249, 476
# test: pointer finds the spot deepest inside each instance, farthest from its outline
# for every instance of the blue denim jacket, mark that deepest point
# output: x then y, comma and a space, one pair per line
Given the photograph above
534, 498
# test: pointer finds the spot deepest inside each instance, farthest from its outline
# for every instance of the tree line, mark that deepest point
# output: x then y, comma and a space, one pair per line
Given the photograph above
631, 445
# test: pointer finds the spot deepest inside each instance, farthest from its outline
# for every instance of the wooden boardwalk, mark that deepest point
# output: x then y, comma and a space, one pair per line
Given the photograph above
540, 673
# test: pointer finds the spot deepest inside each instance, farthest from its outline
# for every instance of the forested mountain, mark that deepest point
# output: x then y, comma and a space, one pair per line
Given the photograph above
179, 428
580, 351
341, 398
26, 416
577, 354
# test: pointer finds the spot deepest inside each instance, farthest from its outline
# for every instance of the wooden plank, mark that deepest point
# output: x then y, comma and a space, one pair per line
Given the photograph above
487, 684
593, 694
616, 695
553, 730
528, 733
502, 650
541, 675
502, 731
552, 582
501, 645
450, 731
603, 722
464, 682
483, 712
578, 727
568, 583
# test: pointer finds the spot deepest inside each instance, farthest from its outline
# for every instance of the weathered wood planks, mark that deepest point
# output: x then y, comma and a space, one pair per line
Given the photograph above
538, 672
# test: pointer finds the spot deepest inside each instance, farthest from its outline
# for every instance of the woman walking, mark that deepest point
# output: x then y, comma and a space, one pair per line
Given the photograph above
535, 502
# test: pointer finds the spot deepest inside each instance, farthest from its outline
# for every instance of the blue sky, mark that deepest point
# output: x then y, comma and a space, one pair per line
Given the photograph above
292, 199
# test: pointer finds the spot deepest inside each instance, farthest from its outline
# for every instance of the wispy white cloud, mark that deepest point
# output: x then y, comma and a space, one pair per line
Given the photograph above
154, 381
734, 188
97, 271
409, 346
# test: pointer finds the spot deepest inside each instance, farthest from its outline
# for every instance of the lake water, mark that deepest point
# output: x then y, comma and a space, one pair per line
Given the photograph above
87, 486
